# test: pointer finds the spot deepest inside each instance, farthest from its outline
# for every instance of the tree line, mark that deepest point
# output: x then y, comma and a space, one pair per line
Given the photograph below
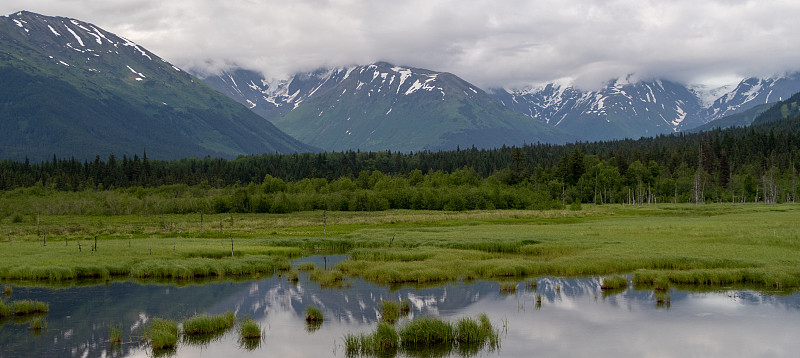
753, 164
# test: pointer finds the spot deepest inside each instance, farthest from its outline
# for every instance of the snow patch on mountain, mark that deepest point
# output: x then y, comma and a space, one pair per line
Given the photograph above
80, 41
53, 30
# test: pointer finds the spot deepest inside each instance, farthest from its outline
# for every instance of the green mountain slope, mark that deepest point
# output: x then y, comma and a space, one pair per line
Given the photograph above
72, 89
779, 111
742, 119
381, 106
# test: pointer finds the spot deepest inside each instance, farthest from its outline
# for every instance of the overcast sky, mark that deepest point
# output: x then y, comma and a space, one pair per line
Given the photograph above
492, 43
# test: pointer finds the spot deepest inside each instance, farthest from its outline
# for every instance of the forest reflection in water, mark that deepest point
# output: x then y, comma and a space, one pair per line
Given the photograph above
574, 318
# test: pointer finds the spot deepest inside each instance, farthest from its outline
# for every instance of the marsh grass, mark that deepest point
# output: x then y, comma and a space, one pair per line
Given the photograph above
508, 287
405, 307
208, 324
313, 314
28, 307
614, 283
249, 329
292, 276
712, 244
663, 299
327, 279
390, 311
427, 331
5, 309
306, 266
8, 290
115, 333
383, 342
426, 336
530, 285
163, 334
38, 324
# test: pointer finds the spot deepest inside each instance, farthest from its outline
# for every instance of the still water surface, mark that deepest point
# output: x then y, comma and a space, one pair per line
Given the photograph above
575, 318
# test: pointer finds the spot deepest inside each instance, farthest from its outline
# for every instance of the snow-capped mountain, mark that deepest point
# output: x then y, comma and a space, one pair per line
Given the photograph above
71, 88
632, 109
752, 92
273, 97
382, 106
622, 108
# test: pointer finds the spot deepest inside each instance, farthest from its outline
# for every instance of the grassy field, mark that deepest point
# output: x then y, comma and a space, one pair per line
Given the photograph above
713, 244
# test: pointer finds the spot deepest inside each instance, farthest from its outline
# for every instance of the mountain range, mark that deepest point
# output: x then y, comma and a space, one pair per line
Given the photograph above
74, 89
309, 105
381, 106
71, 88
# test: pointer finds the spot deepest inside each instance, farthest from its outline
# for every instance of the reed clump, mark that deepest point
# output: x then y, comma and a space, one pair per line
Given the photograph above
508, 287
249, 329
38, 324
405, 307
384, 341
427, 331
390, 311
163, 334
662, 299
8, 290
614, 282
205, 324
5, 309
28, 307
115, 333
468, 335
306, 266
313, 314
332, 278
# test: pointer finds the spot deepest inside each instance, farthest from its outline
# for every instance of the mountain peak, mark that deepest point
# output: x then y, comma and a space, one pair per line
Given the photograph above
72, 88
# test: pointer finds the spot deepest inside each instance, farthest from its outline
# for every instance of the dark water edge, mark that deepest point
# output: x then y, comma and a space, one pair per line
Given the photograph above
575, 318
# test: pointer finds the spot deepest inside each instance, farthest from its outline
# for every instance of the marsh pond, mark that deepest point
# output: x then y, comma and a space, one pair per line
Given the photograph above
556, 318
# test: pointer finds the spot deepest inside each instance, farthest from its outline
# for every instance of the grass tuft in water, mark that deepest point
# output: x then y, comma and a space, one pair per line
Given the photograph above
390, 311
385, 338
333, 278
661, 283
27, 307
249, 329
662, 298
352, 344
427, 331
405, 307
313, 314
8, 290
306, 266
384, 341
115, 333
163, 334
5, 309
38, 324
614, 282
508, 287
424, 336
205, 324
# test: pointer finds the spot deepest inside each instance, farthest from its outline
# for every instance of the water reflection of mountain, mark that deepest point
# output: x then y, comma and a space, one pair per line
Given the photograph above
359, 302
79, 317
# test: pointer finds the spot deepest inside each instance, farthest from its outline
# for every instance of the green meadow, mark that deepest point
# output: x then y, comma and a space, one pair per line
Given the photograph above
709, 244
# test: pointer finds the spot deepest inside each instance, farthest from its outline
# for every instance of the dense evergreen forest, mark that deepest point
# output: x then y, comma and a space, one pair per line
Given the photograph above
753, 164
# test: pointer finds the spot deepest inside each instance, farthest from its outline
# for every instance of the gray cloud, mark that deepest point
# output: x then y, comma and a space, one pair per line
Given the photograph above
507, 43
